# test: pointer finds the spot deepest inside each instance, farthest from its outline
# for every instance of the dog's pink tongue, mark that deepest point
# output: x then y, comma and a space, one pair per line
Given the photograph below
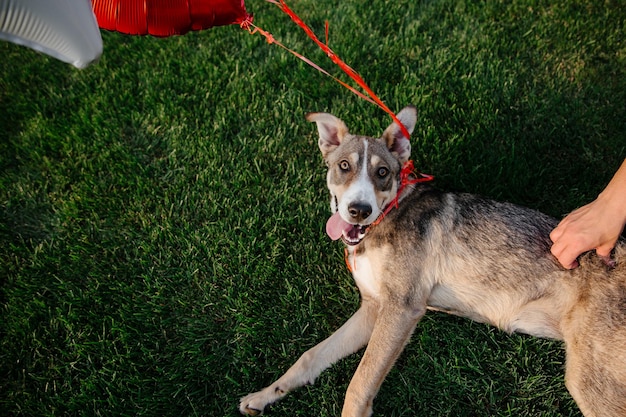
336, 225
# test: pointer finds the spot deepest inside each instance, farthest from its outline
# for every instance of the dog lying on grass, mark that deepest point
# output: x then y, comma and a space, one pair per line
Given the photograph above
412, 248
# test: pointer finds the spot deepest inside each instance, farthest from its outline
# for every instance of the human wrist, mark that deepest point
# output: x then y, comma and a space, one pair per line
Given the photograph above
613, 199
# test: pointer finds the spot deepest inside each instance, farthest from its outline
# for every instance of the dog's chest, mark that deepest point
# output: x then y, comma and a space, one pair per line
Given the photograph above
363, 273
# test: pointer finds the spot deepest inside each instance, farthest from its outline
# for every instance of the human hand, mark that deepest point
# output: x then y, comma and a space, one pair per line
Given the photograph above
594, 226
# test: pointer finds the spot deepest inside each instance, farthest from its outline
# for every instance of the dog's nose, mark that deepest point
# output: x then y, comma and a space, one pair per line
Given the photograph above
360, 211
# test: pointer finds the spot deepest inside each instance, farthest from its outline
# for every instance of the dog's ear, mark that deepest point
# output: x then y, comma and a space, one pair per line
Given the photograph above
331, 129
394, 138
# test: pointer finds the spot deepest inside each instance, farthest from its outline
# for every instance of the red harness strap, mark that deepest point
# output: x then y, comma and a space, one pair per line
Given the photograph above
346, 258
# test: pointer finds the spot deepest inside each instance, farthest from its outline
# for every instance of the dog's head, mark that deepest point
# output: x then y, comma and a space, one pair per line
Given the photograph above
363, 172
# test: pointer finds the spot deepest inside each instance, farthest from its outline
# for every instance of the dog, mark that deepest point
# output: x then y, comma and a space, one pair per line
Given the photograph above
412, 247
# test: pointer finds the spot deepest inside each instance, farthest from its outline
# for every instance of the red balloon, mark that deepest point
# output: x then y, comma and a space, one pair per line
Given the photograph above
167, 17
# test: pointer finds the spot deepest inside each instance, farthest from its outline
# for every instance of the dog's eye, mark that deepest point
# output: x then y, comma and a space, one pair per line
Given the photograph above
344, 165
383, 172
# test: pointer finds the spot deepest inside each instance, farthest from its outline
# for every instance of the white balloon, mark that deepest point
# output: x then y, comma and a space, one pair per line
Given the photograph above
64, 29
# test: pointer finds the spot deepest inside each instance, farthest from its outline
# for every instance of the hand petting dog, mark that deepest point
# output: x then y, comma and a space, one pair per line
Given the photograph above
596, 225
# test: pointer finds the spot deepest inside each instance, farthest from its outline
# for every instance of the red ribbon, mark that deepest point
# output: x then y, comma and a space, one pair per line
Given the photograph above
247, 24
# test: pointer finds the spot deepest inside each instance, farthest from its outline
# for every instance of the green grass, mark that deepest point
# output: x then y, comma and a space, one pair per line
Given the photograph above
162, 246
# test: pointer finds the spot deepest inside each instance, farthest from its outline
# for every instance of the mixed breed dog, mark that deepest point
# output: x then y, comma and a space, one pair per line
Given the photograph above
413, 248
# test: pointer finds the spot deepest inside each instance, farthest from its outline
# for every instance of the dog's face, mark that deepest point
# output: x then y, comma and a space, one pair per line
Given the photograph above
363, 172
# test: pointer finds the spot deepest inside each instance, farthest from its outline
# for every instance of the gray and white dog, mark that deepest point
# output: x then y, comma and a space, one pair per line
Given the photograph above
412, 248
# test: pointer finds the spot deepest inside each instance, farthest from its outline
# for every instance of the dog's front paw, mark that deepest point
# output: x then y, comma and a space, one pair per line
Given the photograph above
254, 404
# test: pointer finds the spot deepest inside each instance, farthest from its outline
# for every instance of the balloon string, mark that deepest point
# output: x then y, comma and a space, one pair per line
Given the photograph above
271, 40
373, 98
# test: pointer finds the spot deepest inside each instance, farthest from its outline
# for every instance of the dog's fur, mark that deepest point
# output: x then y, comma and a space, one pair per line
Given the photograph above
462, 254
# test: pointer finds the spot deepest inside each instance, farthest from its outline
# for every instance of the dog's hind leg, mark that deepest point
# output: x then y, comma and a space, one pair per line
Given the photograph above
350, 337
574, 381
594, 332
596, 379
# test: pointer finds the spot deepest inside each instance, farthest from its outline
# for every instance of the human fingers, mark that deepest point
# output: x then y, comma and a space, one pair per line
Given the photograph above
557, 232
568, 259
604, 251
565, 254
565, 224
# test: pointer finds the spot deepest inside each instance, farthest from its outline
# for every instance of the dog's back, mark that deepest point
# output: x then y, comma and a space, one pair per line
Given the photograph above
477, 258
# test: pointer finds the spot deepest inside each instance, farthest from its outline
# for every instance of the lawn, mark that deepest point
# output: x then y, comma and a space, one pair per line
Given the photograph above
162, 245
